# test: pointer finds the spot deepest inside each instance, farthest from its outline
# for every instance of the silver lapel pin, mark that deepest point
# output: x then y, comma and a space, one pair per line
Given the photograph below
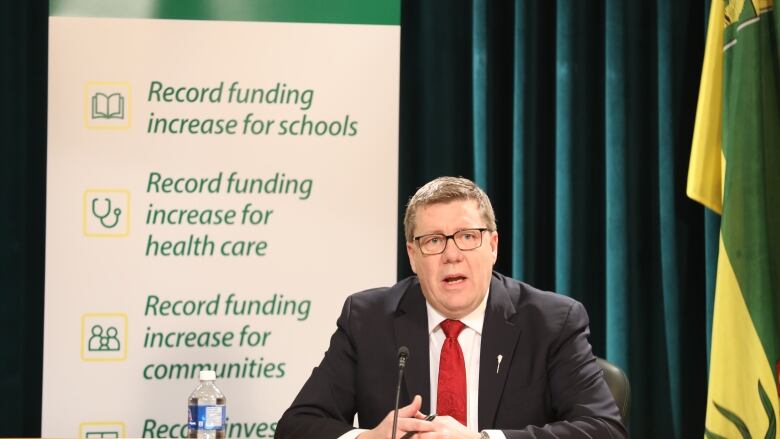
499, 358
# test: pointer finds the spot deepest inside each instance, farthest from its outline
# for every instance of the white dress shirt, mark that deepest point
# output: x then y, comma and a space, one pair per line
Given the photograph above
470, 340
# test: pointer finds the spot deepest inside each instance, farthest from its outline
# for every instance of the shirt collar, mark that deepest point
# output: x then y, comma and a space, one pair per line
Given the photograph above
473, 320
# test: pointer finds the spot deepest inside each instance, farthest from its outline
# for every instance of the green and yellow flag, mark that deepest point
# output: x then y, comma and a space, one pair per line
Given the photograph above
735, 171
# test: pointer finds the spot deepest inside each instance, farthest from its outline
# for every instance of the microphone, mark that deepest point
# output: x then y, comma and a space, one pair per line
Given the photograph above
403, 355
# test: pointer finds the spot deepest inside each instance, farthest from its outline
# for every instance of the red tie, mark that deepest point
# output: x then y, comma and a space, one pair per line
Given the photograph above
451, 398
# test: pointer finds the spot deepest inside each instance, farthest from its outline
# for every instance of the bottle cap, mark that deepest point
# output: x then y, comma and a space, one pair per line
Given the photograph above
207, 375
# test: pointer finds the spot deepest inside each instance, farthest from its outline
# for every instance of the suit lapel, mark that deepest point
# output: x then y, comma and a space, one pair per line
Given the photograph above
499, 337
411, 330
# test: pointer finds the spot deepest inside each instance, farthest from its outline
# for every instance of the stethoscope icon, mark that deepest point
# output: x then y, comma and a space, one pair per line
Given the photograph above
103, 217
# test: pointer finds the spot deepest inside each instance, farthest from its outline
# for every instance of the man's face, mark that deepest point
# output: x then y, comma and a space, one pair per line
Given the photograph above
454, 282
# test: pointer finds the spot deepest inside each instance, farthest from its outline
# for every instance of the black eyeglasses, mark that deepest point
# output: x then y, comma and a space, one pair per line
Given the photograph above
436, 243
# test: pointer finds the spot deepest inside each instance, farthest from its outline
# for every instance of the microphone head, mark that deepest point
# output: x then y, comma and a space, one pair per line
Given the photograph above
403, 352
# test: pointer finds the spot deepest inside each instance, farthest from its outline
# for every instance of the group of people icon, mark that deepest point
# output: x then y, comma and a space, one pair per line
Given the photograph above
104, 340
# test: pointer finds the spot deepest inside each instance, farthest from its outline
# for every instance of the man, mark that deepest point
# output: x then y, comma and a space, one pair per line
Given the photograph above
492, 356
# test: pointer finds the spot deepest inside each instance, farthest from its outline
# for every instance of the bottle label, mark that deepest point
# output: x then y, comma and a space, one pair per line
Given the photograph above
206, 417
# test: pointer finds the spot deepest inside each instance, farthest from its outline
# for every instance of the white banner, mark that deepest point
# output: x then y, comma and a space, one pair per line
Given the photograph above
215, 190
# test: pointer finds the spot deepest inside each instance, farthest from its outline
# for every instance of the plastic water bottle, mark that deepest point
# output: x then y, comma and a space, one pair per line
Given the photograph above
206, 417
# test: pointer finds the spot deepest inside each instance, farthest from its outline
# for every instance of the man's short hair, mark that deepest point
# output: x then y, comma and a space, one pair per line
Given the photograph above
444, 190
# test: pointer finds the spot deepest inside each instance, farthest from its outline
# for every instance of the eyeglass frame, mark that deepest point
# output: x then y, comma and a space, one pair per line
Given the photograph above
447, 238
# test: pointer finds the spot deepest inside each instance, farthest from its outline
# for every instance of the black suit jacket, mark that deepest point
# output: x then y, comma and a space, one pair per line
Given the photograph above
548, 386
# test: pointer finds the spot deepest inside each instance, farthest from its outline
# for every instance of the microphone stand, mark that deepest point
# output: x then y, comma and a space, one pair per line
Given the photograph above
403, 355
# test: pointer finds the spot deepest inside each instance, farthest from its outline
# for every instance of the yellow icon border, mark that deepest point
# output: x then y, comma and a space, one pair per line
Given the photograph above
124, 338
105, 235
121, 424
128, 110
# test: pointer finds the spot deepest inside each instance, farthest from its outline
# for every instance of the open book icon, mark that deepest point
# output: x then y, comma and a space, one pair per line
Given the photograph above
108, 106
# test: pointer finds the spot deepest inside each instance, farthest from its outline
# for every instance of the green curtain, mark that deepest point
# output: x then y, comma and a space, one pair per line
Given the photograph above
576, 117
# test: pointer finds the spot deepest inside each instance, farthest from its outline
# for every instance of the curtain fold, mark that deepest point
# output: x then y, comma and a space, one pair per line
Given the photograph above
479, 62
665, 31
615, 193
